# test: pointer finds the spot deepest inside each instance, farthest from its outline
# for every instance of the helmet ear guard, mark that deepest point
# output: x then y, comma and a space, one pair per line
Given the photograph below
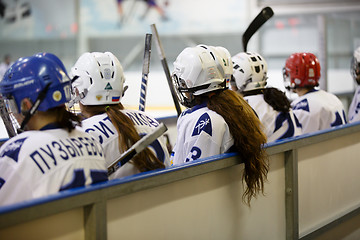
34, 107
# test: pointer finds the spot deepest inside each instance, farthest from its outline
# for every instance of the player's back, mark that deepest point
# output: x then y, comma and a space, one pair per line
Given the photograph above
354, 109
102, 129
201, 133
317, 110
278, 125
38, 163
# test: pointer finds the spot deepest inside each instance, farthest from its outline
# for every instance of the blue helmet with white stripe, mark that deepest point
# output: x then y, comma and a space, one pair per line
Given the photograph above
28, 76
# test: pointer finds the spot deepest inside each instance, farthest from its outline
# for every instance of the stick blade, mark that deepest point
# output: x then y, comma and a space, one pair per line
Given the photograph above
147, 53
265, 14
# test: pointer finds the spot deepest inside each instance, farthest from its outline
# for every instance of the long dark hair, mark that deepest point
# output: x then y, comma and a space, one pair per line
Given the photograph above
274, 97
128, 136
65, 118
249, 139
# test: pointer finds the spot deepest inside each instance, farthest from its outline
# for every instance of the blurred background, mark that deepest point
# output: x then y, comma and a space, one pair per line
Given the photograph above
328, 28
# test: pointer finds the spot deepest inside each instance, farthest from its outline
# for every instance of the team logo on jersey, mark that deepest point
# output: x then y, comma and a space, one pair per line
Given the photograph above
338, 121
13, 149
303, 105
203, 124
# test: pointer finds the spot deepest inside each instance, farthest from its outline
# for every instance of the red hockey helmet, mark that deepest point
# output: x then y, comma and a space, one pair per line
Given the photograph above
303, 70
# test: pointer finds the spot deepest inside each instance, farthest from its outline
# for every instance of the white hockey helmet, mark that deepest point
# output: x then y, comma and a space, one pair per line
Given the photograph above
355, 65
200, 69
250, 71
98, 79
223, 59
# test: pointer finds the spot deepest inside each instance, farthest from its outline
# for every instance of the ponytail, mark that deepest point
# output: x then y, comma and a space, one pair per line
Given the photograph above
272, 96
128, 136
276, 99
249, 139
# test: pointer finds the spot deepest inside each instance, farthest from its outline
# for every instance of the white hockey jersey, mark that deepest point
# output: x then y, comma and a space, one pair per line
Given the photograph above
277, 125
354, 109
201, 133
101, 128
38, 163
317, 110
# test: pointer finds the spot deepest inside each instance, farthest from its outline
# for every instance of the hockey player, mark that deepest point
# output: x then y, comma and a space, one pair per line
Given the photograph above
315, 109
98, 89
270, 104
354, 109
217, 119
51, 155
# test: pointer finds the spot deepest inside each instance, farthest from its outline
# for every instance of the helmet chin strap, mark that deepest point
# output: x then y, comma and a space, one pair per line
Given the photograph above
34, 107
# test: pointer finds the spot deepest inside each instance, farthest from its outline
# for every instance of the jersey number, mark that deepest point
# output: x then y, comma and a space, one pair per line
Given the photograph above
195, 154
285, 117
79, 178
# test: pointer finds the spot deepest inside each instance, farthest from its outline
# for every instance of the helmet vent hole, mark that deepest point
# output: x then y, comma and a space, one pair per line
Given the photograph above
212, 55
253, 59
257, 69
112, 63
112, 75
46, 77
236, 66
98, 63
91, 81
101, 75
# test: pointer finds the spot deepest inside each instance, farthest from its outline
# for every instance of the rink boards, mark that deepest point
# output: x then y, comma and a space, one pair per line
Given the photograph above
312, 192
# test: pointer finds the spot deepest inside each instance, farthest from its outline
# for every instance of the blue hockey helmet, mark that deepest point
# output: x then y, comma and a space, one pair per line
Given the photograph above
28, 76
52, 57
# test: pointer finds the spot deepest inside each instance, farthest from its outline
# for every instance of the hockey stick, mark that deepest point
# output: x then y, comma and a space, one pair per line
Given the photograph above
136, 148
166, 68
265, 14
145, 71
6, 119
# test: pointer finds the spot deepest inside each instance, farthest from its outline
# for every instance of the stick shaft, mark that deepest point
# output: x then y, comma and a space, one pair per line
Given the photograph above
6, 119
136, 148
145, 71
166, 68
